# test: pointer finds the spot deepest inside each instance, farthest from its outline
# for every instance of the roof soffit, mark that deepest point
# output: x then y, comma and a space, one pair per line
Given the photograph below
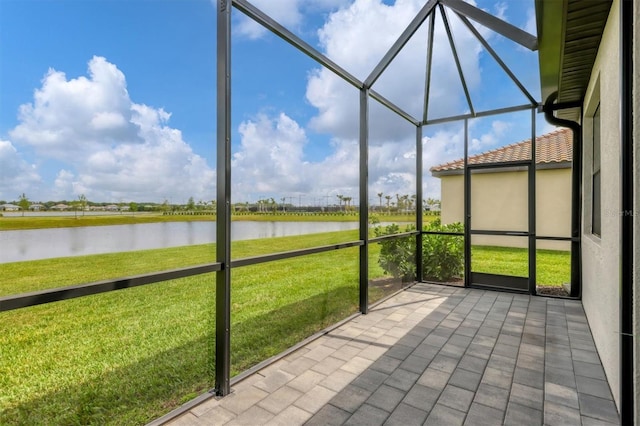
569, 34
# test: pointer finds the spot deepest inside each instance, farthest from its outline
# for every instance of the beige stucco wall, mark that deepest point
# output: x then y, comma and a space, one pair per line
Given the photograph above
499, 201
600, 255
452, 199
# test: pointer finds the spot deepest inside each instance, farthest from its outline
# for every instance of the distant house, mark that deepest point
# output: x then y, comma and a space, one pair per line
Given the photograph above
60, 207
9, 207
36, 207
499, 197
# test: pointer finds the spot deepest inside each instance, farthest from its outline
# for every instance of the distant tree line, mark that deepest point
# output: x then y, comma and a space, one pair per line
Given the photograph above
395, 204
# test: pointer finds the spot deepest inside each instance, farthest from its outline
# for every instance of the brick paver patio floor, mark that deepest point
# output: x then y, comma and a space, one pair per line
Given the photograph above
433, 355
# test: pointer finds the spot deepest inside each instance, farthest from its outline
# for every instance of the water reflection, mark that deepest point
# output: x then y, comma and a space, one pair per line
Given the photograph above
35, 244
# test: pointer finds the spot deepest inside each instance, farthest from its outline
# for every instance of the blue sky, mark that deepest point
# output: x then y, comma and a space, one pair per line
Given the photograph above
116, 99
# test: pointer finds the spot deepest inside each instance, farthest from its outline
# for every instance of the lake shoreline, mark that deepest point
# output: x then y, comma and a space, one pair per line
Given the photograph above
35, 244
30, 221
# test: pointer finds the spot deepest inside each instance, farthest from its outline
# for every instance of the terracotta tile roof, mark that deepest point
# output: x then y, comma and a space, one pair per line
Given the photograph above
554, 147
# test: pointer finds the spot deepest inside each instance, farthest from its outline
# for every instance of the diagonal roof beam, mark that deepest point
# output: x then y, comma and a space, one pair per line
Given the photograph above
399, 44
496, 24
269, 23
257, 15
427, 85
393, 107
456, 57
493, 53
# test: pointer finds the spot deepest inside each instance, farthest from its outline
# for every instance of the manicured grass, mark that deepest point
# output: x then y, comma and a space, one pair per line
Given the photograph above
20, 277
553, 267
499, 260
129, 356
119, 358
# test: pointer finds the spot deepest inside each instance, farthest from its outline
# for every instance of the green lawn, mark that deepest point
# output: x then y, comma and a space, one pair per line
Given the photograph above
129, 356
19, 277
553, 267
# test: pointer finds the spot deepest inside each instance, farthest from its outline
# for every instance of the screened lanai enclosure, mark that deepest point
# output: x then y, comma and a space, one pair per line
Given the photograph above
506, 217
254, 303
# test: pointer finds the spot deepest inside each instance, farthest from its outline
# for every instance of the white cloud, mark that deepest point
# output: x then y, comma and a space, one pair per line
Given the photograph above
323, 5
77, 115
501, 10
351, 37
107, 120
289, 13
63, 185
270, 163
16, 175
285, 12
111, 147
496, 135
270, 157
531, 26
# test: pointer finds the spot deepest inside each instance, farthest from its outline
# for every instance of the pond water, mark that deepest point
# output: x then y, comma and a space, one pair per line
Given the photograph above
17, 246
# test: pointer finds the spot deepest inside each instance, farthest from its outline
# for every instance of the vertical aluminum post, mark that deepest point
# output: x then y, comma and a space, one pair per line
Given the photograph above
419, 212
532, 207
223, 199
628, 362
364, 200
467, 208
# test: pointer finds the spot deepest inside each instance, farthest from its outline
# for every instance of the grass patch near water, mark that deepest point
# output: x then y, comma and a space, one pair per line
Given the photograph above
129, 356
21, 277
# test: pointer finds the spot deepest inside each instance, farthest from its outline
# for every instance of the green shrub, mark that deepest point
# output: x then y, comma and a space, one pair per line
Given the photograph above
442, 255
397, 255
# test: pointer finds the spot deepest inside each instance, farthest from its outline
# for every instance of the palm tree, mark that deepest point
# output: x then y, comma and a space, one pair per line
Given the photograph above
388, 197
430, 203
380, 194
347, 201
340, 199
